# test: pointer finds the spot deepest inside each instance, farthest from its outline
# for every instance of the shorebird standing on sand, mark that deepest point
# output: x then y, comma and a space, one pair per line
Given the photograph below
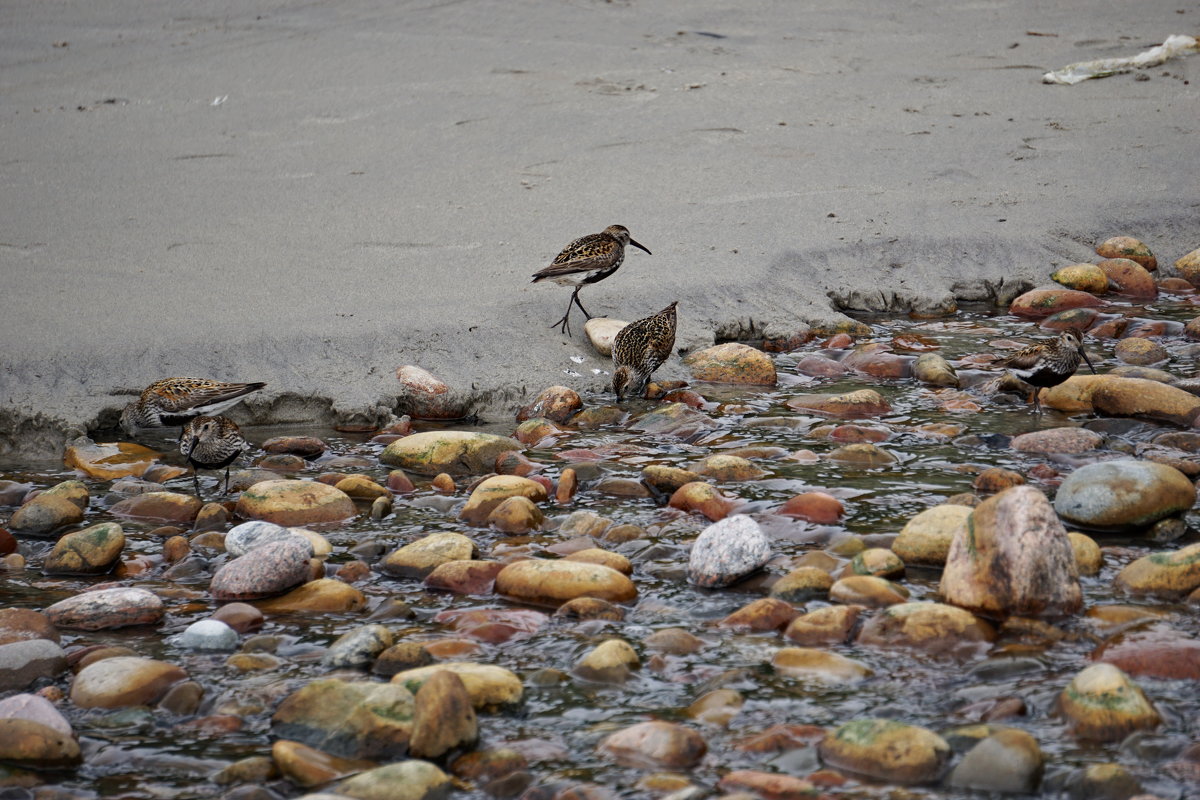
640, 348
589, 259
173, 401
1049, 363
211, 443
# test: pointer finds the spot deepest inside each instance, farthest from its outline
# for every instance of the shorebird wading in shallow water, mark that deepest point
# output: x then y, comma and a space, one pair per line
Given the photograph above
640, 348
173, 401
589, 259
1048, 363
211, 443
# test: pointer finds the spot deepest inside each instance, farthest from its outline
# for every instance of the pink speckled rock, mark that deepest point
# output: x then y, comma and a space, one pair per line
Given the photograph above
728, 551
264, 571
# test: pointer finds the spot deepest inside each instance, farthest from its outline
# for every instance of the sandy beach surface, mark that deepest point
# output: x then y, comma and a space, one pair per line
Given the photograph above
313, 194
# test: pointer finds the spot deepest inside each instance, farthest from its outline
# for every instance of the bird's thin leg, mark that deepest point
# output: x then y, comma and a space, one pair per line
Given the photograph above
227, 480
564, 324
1037, 401
575, 298
196, 483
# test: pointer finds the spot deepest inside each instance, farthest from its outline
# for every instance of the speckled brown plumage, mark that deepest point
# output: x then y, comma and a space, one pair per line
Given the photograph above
211, 443
1047, 364
640, 348
173, 401
588, 259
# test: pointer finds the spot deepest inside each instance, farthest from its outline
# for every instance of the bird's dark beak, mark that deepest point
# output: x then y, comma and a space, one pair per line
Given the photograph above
640, 247
1083, 353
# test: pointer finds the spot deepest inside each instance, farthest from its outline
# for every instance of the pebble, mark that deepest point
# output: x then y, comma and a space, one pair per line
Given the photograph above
1041, 303
1129, 278
50, 511
1009, 760
1137, 397
886, 750
763, 614
1169, 575
824, 626
264, 571
1058, 440
24, 661
379, 728
295, 502
124, 681
464, 576
926, 538
488, 685
1101, 703
556, 404
208, 634
602, 331
867, 590
108, 461
308, 767
323, 595
674, 421
1123, 495
102, 609
1130, 248
1082, 277
418, 559
611, 661
859, 404
452, 452
91, 551
819, 666
549, 582
406, 780
308, 447
358, 648
727, 551
655, 745
802, 584
703, 498
493, 491
934, 629
241, 539
159, 507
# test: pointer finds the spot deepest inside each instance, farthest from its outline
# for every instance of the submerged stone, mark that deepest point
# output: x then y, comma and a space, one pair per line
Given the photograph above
886, 750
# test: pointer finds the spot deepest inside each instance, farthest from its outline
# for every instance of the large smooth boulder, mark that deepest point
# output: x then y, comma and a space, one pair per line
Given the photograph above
732, 362
288, 503
1144, 399
1013, 557
489, 686
452, 452
552, 582
101, 609
886, 750
1101, 703
264, 571
418, 559
124, 681
348, 719
91, 551
1123, 495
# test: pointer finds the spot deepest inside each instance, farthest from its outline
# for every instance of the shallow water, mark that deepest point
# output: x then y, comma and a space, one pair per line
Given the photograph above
144, 753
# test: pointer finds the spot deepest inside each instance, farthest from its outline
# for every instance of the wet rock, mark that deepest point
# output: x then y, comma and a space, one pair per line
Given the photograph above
1058, 440
400, 483
816, 507
25, 661
1102, 704
1170, 575
291, 502
666, 479
401, 657
19, 624
611, 661
601, 331
878, 561
598, 417
406, 780
53, 509
727, 551
763, 614
1140, 352
568, 485
108, 461
874, 360
243, 538
322, 595
732, 363
418, 559
515, 463
1081, 277
996, 479
886, 750
464, 576
1130, 248
1106, 782
515, 515
307, 767
933, 370
674, 420
453, 452
1123, 495
752, 783
1088, 558
536, 432
1135, 397
933, 628
443, 717
829, 625
818, 666
673, 641
442, 483
1156, 653
717, 707
554, 582
492, 492
579, 524
557, 404
926, 538
124, 681
489, 686
820, 367
159, 507
802, 584
34, 708
655, 745
1074, 394
281, 462
867, 590
264, 571
103, 609
1146, 373
428, 397
1009, 760
1039, 303
702, 497
350, 720
241, 617
597, 555
91, 551
722, 467
360, 487
1129, 278
358, 647
1013, 559
1189, 267
859, 404
590, 608
862, 456
308, 447
27, 743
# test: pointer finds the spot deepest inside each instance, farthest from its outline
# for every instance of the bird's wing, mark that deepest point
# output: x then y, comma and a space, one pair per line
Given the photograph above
595, 251
1024, 358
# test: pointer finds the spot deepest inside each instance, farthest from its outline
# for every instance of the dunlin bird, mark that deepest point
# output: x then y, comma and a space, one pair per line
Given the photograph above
173, 401
640, 348
1049, 363
211, 443
589, 259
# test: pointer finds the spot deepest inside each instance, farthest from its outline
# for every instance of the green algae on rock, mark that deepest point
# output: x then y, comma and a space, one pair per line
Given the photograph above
1101, 703
886, 750
452, 452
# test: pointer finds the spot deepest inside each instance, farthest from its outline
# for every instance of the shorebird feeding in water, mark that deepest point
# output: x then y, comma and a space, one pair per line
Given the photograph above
640, 348
173, 401
589, 259
1049, 363
211, 443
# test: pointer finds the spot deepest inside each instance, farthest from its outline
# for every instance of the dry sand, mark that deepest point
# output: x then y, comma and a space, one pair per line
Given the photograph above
315, 193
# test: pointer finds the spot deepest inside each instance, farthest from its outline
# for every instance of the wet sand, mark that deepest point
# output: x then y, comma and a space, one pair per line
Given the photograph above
313, 194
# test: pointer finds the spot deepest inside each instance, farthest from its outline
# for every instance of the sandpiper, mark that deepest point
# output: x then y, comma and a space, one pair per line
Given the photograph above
211, 443
640, 348
1048, 363
589, 259
173, 401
